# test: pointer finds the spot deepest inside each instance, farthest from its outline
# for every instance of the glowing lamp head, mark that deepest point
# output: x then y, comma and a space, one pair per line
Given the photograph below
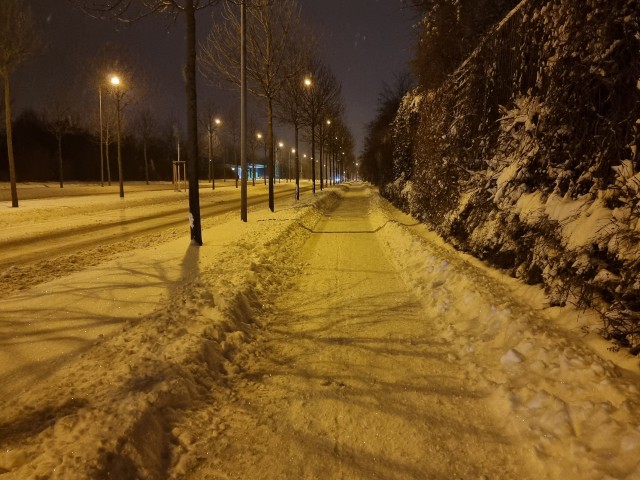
308, 82
115, 80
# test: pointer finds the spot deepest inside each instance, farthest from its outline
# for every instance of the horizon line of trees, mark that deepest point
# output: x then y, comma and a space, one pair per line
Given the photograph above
447, 33
281, 54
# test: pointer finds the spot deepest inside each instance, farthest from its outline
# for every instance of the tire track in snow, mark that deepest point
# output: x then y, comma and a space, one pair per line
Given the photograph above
28, 262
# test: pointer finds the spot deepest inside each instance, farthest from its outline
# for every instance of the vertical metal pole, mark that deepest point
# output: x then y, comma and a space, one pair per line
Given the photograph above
118, 120
101, 140
243, 110
264, 170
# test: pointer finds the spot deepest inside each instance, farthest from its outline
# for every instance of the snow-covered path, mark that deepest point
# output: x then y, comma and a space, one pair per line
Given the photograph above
354, 381
335, 338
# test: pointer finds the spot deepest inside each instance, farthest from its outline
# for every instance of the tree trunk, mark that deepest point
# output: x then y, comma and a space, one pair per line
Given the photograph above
313, 156
243, 112
320, 164
271, 165
297, 161
146, 164
60, 165
192, 124
12, 164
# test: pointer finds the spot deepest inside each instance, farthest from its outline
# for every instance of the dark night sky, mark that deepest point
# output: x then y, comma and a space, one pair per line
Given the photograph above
366, 42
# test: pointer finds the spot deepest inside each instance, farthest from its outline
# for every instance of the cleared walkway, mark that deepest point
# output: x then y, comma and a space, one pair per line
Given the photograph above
352, 382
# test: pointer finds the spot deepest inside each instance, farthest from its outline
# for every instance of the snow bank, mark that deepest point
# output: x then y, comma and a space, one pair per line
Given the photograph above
577, 410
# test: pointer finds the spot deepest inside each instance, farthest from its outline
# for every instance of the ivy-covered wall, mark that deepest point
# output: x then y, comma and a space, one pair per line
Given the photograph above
527, 156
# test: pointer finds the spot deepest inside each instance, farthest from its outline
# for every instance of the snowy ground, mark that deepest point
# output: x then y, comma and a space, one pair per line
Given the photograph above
335, 338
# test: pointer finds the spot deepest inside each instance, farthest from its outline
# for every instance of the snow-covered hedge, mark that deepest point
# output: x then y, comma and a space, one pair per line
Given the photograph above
528, 157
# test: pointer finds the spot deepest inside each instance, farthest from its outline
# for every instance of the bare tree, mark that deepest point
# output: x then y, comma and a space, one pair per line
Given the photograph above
60, 122
145, 125
18, 41
232, 130
290, 99
106, 64
211, 122
129, 10
270, 37
321, 96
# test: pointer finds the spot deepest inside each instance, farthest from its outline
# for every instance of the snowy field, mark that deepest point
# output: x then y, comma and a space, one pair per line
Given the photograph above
336, 338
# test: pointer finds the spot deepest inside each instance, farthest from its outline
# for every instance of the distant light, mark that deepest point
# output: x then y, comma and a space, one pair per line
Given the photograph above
281, 144
218, 121
328, 122
293, 150
307, 82
259, 135
115, 80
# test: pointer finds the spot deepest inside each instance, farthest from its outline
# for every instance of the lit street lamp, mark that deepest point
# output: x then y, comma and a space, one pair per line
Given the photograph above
293, 150
308, 84
328, 170
304, 159
117, 93
261, 138
212, 169
278, 162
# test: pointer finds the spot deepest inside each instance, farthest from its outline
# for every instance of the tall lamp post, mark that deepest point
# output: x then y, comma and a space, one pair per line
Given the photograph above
279, 162
211, 125
293, 150
101, 138
327, 160
260, 137
308, 84
304, 159
117, 93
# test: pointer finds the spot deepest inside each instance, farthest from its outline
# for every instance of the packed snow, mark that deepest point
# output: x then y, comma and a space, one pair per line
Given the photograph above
335, 338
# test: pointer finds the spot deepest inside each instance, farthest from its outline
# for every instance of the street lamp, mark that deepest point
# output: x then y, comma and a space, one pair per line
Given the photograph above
278, 162
304, 159
117, 93
212, 168
261, 138
101, 139
328, 164
308, 84
293, 150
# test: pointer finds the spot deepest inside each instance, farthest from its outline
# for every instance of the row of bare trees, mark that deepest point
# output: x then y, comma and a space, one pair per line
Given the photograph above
282, 69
